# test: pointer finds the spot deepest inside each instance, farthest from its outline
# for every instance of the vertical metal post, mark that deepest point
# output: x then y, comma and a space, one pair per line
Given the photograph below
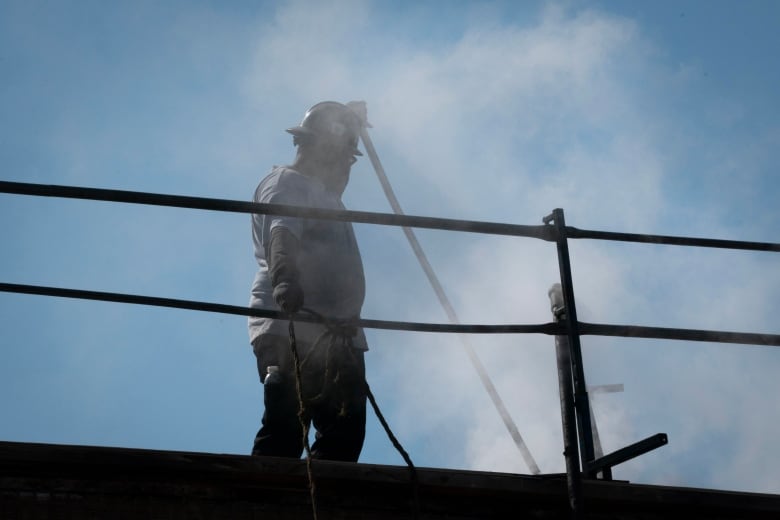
581, 401
598, 452
568, 418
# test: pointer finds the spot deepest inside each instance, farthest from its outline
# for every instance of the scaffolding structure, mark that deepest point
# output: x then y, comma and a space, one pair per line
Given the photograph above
581, 460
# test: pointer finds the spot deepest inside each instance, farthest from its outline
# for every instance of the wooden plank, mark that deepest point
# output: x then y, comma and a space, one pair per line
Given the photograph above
45, 481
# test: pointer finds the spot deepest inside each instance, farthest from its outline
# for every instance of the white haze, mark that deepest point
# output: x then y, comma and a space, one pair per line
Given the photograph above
501, 120
506, 123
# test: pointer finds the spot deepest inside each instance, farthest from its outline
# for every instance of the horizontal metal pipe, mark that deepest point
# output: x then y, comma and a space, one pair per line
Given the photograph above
713, 336
550, 329
543, 328
629, 452
236, 206
491, 228
573, 232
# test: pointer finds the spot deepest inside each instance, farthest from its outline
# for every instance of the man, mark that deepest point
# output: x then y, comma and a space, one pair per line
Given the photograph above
315, 263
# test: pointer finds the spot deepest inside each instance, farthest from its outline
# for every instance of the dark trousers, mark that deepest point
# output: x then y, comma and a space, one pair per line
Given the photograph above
333, 396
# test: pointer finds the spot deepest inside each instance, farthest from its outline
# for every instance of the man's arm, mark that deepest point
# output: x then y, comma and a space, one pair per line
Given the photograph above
282, 256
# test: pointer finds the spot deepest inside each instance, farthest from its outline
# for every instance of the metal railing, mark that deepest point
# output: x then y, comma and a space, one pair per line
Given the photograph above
566, 327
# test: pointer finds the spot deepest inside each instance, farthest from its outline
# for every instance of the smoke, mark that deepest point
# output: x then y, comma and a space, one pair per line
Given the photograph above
564, 108
497, 113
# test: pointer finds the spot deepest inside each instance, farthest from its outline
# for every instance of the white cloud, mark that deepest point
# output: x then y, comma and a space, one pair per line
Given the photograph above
504, 123
305, 52
507, 123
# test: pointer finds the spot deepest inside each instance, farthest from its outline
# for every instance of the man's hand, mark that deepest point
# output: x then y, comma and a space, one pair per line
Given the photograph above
289, 296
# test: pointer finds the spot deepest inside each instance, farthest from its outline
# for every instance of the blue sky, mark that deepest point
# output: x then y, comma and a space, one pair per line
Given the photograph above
632, 116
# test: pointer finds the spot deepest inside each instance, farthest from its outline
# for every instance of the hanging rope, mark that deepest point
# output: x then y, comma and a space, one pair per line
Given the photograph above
333, 380
412, 470
302, 418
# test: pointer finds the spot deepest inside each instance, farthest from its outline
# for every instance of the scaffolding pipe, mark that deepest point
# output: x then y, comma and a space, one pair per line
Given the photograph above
239, 206
573, 232
489, 228
581, 401
550, 329
541, 328
568, 417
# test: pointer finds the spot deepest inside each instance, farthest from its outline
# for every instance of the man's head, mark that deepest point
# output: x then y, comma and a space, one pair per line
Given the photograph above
328, 137
330, 125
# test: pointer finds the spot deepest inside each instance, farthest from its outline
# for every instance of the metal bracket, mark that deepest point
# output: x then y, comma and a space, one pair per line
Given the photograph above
627, 453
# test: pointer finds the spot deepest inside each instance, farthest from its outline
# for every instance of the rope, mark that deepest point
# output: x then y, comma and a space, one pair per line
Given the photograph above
302, 419
345, 331
412, 470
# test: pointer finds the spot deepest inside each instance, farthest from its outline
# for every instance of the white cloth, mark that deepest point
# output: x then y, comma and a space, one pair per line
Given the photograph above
329, 262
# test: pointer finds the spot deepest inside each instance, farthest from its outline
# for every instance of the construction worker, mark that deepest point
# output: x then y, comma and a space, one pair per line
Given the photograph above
310, 264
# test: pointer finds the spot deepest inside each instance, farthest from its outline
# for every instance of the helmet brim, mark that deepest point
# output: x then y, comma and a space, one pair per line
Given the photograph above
299, 131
